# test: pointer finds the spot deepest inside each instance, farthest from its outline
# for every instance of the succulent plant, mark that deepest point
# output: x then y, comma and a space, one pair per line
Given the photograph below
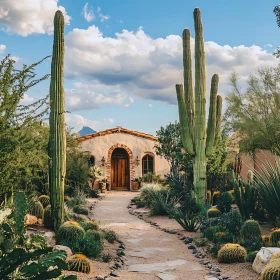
79, 263
57, 138
79, 209
45, 200
36, 209
272, 269
251, 229
90, 225
70, 233
192, 113
19, 212
231, 253
36, 241
92, 243
213, 212
274, 237
47, 218
266, 240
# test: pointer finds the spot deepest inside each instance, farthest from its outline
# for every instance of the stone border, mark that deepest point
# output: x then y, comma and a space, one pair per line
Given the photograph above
131, 164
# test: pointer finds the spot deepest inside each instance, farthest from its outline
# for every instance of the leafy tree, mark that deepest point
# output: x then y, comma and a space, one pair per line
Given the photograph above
255, 113
22, 137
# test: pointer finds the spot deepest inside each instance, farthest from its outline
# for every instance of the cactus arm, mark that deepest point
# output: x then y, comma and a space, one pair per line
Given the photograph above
200, 116
188, 88
218, 117
211, 126
184, 120
57, 124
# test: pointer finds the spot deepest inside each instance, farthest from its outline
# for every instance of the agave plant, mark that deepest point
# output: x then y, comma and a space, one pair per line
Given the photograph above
267, 183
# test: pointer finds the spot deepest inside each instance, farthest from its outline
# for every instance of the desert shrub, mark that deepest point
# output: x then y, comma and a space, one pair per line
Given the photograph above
200, 242
252, 244
251, 229
106, 257
79, 263
45, 200
77, 200
222, 237
47, 218
90, 225
138, 202
92, 243
210, 231
251, 256
213, 212
224, 201
231, 253
69, 234
214, 249
158, 201
110, 236
79, 209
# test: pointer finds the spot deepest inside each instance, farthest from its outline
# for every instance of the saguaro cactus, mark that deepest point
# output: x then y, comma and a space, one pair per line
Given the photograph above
57, 140
192, 112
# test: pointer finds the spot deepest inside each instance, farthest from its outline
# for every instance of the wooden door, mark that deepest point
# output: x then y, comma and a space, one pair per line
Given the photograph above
120, 170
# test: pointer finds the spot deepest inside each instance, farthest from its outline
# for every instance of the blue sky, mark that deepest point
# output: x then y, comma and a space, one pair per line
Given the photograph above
123, 58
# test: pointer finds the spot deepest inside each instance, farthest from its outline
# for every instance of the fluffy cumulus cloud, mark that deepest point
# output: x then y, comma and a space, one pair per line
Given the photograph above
135, 63
27, 17
76, 122
88, 13
2, 48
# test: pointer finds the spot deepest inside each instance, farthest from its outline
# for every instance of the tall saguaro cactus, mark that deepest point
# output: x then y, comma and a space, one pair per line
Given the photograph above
57, 140
192, 112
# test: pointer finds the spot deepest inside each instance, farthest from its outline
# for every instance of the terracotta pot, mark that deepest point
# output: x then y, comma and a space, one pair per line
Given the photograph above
135, 186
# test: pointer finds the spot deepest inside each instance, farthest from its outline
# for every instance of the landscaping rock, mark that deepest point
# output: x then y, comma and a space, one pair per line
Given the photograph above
63, 248
50, 238
263, 257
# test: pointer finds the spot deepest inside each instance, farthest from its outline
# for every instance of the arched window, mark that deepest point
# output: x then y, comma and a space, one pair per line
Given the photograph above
147, 164
91, 161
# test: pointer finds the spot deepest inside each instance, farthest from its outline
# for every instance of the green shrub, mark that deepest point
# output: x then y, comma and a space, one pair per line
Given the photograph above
252, 244
77, 200
69, 234
110, 236
231, 253
45, 200
47, 218
251, 230
106, 258
224, 201
210, 231
213, 212
92, 243
251, 256
222, 237
78, 209
79, 263
90, 225
158, 201
274, 237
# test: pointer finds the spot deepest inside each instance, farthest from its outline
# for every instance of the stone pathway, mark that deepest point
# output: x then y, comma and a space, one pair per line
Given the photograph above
151, 253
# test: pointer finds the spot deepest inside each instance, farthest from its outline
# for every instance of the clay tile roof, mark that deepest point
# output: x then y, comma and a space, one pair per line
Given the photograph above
118, 129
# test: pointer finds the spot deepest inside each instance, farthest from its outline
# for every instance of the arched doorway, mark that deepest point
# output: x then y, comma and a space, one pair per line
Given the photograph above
120, 170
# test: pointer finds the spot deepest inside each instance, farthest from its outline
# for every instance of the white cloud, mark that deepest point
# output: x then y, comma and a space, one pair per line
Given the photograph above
88, 14
77, 122
27, 17
151, 105
2, 48
26, 100
103, 17
138, 65
268, 45
98, 9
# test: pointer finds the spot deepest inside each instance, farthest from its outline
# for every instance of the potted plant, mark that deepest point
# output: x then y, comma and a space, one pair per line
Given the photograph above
136, 184
102, 183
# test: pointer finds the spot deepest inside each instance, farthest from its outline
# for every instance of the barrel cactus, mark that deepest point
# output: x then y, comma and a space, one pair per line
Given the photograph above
36, 209
272, 269
57, 138
70, 233
47, 218
45, 200
266, 240
92, 225
231, 253
274, 237
251, 230
79, 263
192, 112
213, 212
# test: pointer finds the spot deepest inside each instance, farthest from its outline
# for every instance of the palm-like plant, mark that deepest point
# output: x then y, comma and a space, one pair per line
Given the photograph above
267, 183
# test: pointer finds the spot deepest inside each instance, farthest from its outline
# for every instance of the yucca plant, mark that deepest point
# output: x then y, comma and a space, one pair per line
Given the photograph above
267, 183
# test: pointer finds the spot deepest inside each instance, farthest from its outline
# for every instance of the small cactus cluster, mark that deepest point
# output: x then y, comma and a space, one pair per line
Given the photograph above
231, 253
79, 263
272, 269
45, 200
47, 218
36, 209
19, 212
92, 225
79, 209
274, 237
70, 233
251, 229
213, 212
266, 240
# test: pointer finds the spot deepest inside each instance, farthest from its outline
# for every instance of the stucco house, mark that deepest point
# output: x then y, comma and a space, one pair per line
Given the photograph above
123, 155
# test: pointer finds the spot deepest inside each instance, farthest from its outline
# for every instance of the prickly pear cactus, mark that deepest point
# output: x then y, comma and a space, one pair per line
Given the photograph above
19, 212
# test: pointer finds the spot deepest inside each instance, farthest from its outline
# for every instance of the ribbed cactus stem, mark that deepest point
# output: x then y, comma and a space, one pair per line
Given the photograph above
192, 112
19, 213
57, 141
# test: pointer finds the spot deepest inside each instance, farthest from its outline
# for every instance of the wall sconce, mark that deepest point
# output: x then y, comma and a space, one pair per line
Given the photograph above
137, 161
103, 160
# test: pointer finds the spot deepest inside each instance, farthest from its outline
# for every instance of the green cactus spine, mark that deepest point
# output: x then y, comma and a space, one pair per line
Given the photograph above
57, 141
192, 112
19, 213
